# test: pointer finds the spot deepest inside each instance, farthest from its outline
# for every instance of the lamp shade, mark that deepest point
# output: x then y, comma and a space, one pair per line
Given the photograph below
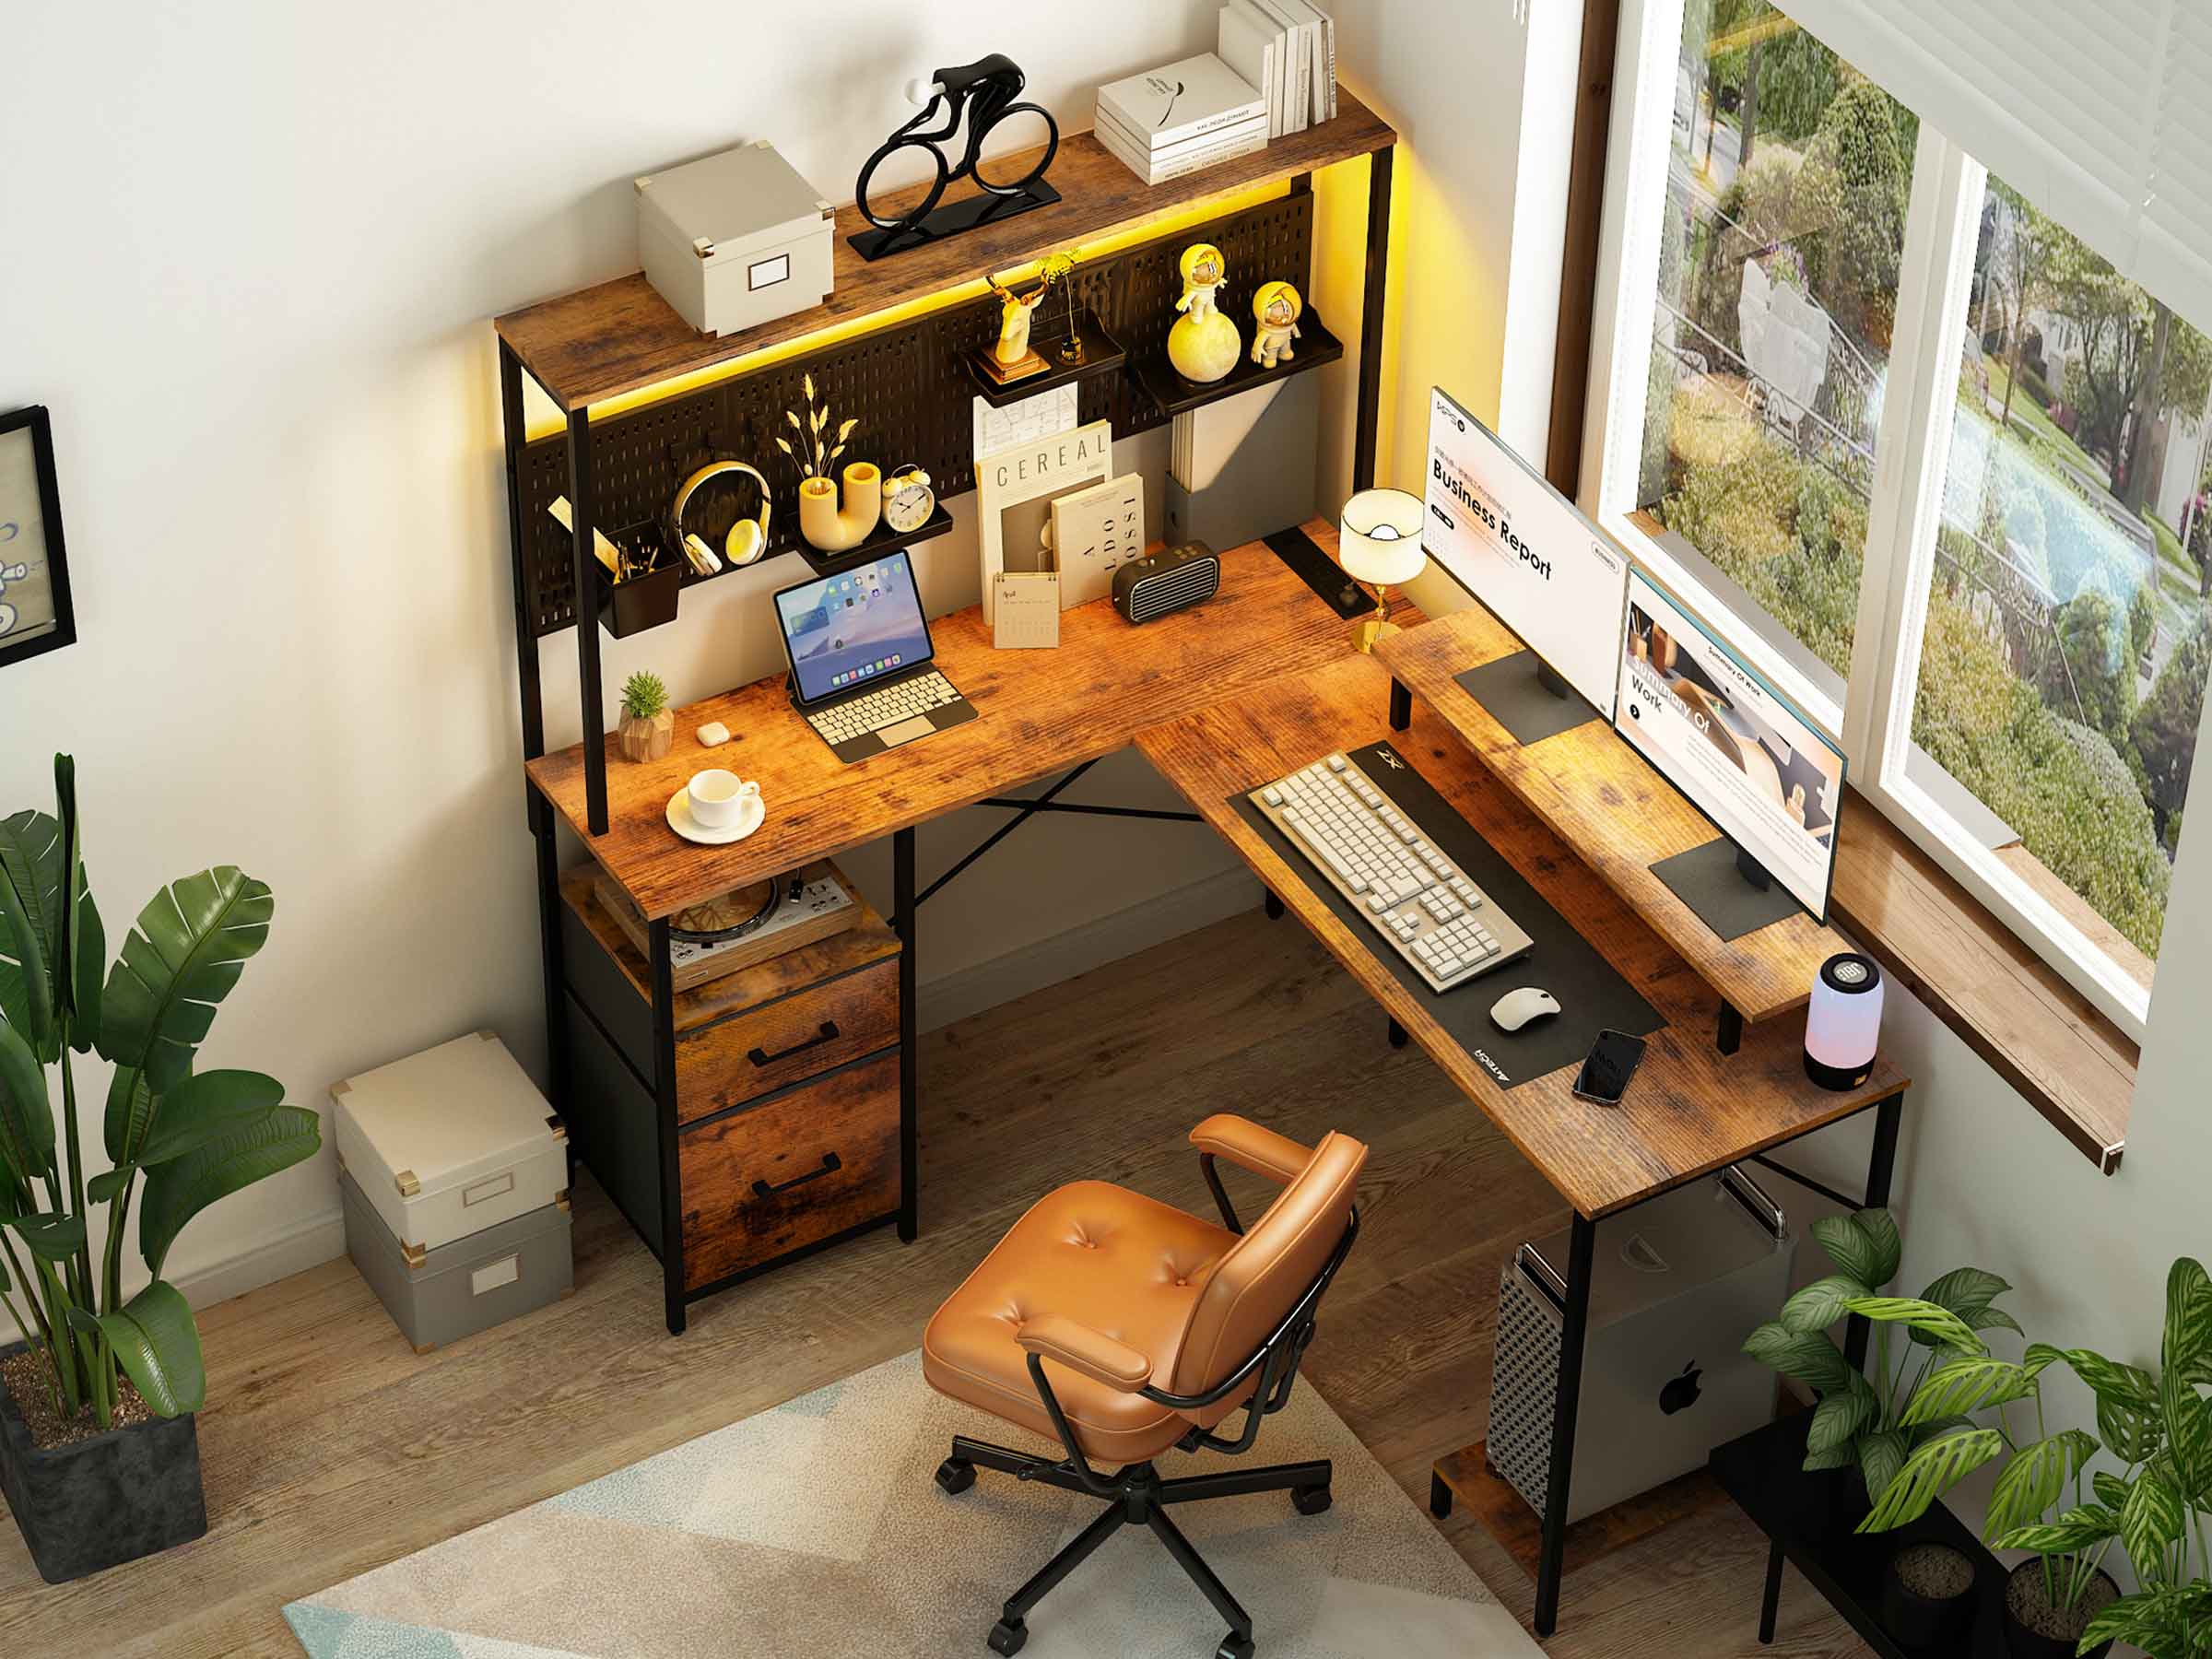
1843, 1023
1380, 537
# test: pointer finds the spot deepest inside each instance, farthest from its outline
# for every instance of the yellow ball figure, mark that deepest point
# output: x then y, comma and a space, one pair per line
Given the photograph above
1276, 309
1204, 345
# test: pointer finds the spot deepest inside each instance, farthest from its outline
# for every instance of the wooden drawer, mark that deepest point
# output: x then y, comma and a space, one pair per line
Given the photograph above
813, 1160
803, 1035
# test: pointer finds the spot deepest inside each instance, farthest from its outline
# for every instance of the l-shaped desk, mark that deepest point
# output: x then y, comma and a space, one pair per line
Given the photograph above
1221, 699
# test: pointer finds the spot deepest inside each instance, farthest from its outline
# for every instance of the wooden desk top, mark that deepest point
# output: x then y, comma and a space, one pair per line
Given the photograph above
621, 336
1691, 1109
1039, 711
1617, 813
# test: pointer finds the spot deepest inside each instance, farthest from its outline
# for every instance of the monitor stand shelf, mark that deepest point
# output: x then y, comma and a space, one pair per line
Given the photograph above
1618, 815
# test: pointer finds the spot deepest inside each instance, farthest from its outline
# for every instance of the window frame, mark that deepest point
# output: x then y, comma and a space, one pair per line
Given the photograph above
1874, 719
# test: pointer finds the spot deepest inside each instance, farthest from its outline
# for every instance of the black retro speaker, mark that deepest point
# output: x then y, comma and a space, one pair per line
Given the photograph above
1171, 581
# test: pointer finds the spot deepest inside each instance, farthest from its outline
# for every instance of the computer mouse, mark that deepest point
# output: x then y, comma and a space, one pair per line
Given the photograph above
1522, 1007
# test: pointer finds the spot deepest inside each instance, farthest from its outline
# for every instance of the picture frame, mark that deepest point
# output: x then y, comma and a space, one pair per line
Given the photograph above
36, 615
1014, 493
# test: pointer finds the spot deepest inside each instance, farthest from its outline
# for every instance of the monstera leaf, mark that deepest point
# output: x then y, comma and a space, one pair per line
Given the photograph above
158, 1346
182, 1188
189, 946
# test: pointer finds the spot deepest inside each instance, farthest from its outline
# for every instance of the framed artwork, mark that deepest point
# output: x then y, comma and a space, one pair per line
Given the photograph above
1014, 492
35, 615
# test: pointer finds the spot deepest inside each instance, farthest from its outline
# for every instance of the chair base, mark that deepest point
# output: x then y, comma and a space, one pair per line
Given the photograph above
1138, 1497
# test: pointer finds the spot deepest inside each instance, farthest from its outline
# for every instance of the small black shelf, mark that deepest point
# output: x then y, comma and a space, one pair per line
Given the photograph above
1102, 354
884, 539
1315, 345
1764, 1472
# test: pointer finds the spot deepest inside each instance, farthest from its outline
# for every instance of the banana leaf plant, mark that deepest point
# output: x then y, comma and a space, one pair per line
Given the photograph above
2157, 1427
177, 1139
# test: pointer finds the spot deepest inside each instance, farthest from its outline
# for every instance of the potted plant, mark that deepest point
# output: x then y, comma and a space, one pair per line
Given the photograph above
1858, 1428
98, 1451
2061, 1601
647, 722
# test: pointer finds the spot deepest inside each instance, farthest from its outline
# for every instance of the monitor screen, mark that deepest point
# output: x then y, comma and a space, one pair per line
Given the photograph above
1525, 550
1744, 756
856, 626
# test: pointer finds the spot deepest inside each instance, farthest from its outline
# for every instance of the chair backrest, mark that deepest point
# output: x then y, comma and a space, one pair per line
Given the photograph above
1260, 1278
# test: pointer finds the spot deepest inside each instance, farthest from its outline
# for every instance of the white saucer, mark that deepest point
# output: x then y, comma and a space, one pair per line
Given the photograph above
749, 818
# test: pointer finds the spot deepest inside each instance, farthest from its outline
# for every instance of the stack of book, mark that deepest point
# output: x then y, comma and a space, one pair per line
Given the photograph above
1288, 49
1174, 121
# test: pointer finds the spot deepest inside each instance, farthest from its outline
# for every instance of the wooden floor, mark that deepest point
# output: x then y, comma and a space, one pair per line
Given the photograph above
331, 1448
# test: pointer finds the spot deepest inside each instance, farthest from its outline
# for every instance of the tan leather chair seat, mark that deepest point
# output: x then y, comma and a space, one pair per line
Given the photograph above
1125, 1265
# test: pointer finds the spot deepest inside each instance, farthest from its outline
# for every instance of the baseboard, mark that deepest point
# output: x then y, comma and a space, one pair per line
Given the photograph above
986, 984
955, 996
310, 1244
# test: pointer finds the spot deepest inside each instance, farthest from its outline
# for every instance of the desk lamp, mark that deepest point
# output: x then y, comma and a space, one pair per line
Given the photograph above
1379, 542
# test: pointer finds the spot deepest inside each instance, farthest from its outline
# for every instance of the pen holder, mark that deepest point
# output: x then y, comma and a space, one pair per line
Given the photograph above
642, 602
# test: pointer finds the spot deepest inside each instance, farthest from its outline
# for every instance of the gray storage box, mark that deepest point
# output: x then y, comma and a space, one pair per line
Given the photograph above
470, 1285
736, 240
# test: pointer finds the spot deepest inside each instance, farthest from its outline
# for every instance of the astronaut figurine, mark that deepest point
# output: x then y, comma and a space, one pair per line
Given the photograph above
1204, 344
1275, 309
1204, 272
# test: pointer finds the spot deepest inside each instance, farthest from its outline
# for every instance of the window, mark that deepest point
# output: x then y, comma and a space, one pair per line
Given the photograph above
1905, 431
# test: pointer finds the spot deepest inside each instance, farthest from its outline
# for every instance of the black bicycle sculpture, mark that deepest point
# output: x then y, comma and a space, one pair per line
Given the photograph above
984, 93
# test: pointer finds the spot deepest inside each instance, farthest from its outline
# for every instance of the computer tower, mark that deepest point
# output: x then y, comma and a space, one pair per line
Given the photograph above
1676, 1285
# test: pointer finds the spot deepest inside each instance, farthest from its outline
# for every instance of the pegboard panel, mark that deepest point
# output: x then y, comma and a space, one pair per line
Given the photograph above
907, 384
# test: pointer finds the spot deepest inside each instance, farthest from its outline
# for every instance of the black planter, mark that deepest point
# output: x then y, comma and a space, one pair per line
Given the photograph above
2025, 1643
642, 602
1918, 1620
96, 1504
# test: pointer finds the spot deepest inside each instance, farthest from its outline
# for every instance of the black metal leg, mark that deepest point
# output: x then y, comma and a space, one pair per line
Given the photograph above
1021, 1464
1274, 908
1439, 1496
1066, 1561
1199, 1573
905, 905
526, 624
586, 569
1373, 291
1730, 1035
1397, 1035
664, 1080
1771, 1605
1566, 1403
1401, 707
1880, 1168
1237, 1483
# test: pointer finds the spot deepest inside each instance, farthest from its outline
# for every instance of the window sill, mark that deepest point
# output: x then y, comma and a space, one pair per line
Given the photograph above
2073, 1065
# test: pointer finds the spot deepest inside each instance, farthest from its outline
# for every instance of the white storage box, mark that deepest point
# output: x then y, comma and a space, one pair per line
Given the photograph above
736, 240
450, 1141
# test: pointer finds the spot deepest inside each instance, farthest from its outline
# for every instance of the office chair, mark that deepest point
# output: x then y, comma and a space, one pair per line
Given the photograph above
1157, 1326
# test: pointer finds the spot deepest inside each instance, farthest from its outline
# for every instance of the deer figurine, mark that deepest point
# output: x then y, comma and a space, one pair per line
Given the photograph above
1013, 348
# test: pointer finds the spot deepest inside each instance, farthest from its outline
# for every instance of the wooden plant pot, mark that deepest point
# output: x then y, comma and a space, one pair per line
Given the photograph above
98, 1502
647, 739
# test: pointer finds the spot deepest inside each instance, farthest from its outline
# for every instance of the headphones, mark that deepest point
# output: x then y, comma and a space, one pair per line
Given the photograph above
747, 539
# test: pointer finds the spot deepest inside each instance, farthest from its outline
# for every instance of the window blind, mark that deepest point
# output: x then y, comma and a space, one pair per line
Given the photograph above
2100, 112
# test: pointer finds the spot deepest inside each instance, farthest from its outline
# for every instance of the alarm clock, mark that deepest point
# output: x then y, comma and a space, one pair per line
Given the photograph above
908, 501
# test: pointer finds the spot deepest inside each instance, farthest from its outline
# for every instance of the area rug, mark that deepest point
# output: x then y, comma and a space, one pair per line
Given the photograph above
815, 1529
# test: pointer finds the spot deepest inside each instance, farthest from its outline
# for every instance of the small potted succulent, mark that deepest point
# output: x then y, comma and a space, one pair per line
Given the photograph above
99, 1452
647, 722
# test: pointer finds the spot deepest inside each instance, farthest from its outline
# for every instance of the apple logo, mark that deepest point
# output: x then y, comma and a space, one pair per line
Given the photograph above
1681, 1393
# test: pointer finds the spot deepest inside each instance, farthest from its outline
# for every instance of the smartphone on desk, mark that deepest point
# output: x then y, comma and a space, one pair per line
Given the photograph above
1611, 1063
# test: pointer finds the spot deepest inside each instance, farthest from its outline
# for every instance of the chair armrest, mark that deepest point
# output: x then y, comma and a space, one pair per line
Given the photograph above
1090, 1353
1250, 1147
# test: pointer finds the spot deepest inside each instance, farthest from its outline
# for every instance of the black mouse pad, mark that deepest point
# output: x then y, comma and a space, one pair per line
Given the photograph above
1591, 996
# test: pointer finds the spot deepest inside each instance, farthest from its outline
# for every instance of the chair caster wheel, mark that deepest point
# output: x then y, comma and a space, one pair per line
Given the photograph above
1310, 1501
1234, 1647
1009, 1637
955, 1477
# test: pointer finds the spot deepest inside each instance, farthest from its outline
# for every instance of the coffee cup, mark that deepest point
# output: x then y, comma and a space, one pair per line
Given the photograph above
718, 797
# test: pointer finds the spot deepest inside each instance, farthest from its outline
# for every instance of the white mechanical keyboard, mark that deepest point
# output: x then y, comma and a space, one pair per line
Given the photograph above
1381, 861
904, 699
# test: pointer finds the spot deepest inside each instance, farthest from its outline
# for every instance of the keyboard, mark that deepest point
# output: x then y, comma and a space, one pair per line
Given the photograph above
911, 699
1387, 866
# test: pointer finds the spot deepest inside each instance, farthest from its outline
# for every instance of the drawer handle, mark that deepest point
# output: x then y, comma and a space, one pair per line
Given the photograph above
760, 1056
830, 1164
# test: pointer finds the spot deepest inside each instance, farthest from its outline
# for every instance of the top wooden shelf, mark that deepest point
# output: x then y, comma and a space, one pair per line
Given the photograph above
621, 336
